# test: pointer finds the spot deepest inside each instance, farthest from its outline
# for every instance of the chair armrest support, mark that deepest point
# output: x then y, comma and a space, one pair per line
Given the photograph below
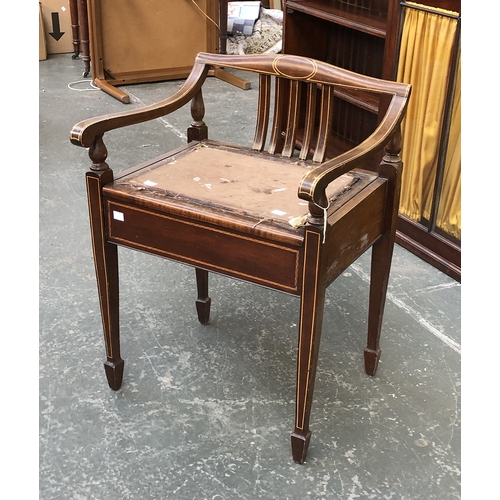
86, 132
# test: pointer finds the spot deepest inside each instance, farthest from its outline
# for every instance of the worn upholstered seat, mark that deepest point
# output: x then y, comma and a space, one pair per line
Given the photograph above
290, 212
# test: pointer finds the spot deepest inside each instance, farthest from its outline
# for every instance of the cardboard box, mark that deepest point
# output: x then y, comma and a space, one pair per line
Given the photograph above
57, 25
42, 47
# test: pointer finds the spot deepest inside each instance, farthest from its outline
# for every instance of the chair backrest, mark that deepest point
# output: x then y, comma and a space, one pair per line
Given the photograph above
306, 92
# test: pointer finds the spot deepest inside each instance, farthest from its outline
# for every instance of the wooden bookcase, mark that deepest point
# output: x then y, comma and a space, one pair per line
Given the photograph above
359, 35
364, 36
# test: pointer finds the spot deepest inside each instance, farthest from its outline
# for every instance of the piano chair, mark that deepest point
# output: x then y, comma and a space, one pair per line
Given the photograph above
290, 217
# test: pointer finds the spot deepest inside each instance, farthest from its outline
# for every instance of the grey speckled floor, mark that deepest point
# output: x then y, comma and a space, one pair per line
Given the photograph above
206, 412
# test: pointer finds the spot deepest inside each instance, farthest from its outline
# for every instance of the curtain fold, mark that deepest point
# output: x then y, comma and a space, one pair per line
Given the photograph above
425, 59
449, 217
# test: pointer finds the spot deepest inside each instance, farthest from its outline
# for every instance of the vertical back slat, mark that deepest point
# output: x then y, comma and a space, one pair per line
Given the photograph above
309, 120
324, 122
262, 112
279, 114
292, 120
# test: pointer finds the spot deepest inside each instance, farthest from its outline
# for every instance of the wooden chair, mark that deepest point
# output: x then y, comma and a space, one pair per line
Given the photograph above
291, 218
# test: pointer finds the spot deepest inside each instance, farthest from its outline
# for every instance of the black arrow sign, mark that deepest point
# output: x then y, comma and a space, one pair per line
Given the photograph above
56, 28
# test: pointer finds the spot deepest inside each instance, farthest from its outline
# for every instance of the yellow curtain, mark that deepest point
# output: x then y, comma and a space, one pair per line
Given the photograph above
449, 217
424, 61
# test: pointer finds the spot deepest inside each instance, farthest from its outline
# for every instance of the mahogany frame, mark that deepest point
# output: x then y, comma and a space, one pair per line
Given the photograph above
302, 260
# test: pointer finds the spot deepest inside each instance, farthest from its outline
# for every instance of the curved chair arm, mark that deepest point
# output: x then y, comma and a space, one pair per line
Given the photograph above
313, 185
87, 131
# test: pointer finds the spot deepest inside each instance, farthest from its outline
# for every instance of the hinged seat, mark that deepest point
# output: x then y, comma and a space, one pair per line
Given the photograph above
285, 212
259, 187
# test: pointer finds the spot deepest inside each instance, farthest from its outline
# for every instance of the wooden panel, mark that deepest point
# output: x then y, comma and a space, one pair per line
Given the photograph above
437, 250
354, 228
356, 51
135, 41
204, 246
296, 26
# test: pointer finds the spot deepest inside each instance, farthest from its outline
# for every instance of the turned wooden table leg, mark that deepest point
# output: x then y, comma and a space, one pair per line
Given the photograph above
311, 318
223, 7
73, 12
84, 36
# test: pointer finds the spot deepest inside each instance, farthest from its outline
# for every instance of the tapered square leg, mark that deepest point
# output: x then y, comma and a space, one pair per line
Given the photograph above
371, 360
300, 445
106, 268
114, 373
380, 267
203, 301
382, 250
311, 318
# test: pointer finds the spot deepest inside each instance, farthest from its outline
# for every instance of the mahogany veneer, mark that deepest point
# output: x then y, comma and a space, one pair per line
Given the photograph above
288, 219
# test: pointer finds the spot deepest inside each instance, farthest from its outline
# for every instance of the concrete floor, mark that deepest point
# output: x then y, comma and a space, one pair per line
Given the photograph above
206, 412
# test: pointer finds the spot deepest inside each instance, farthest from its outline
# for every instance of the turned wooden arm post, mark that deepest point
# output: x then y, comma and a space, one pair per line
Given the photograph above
393, 148
198, 129
98, 154
391, 167
317, 212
